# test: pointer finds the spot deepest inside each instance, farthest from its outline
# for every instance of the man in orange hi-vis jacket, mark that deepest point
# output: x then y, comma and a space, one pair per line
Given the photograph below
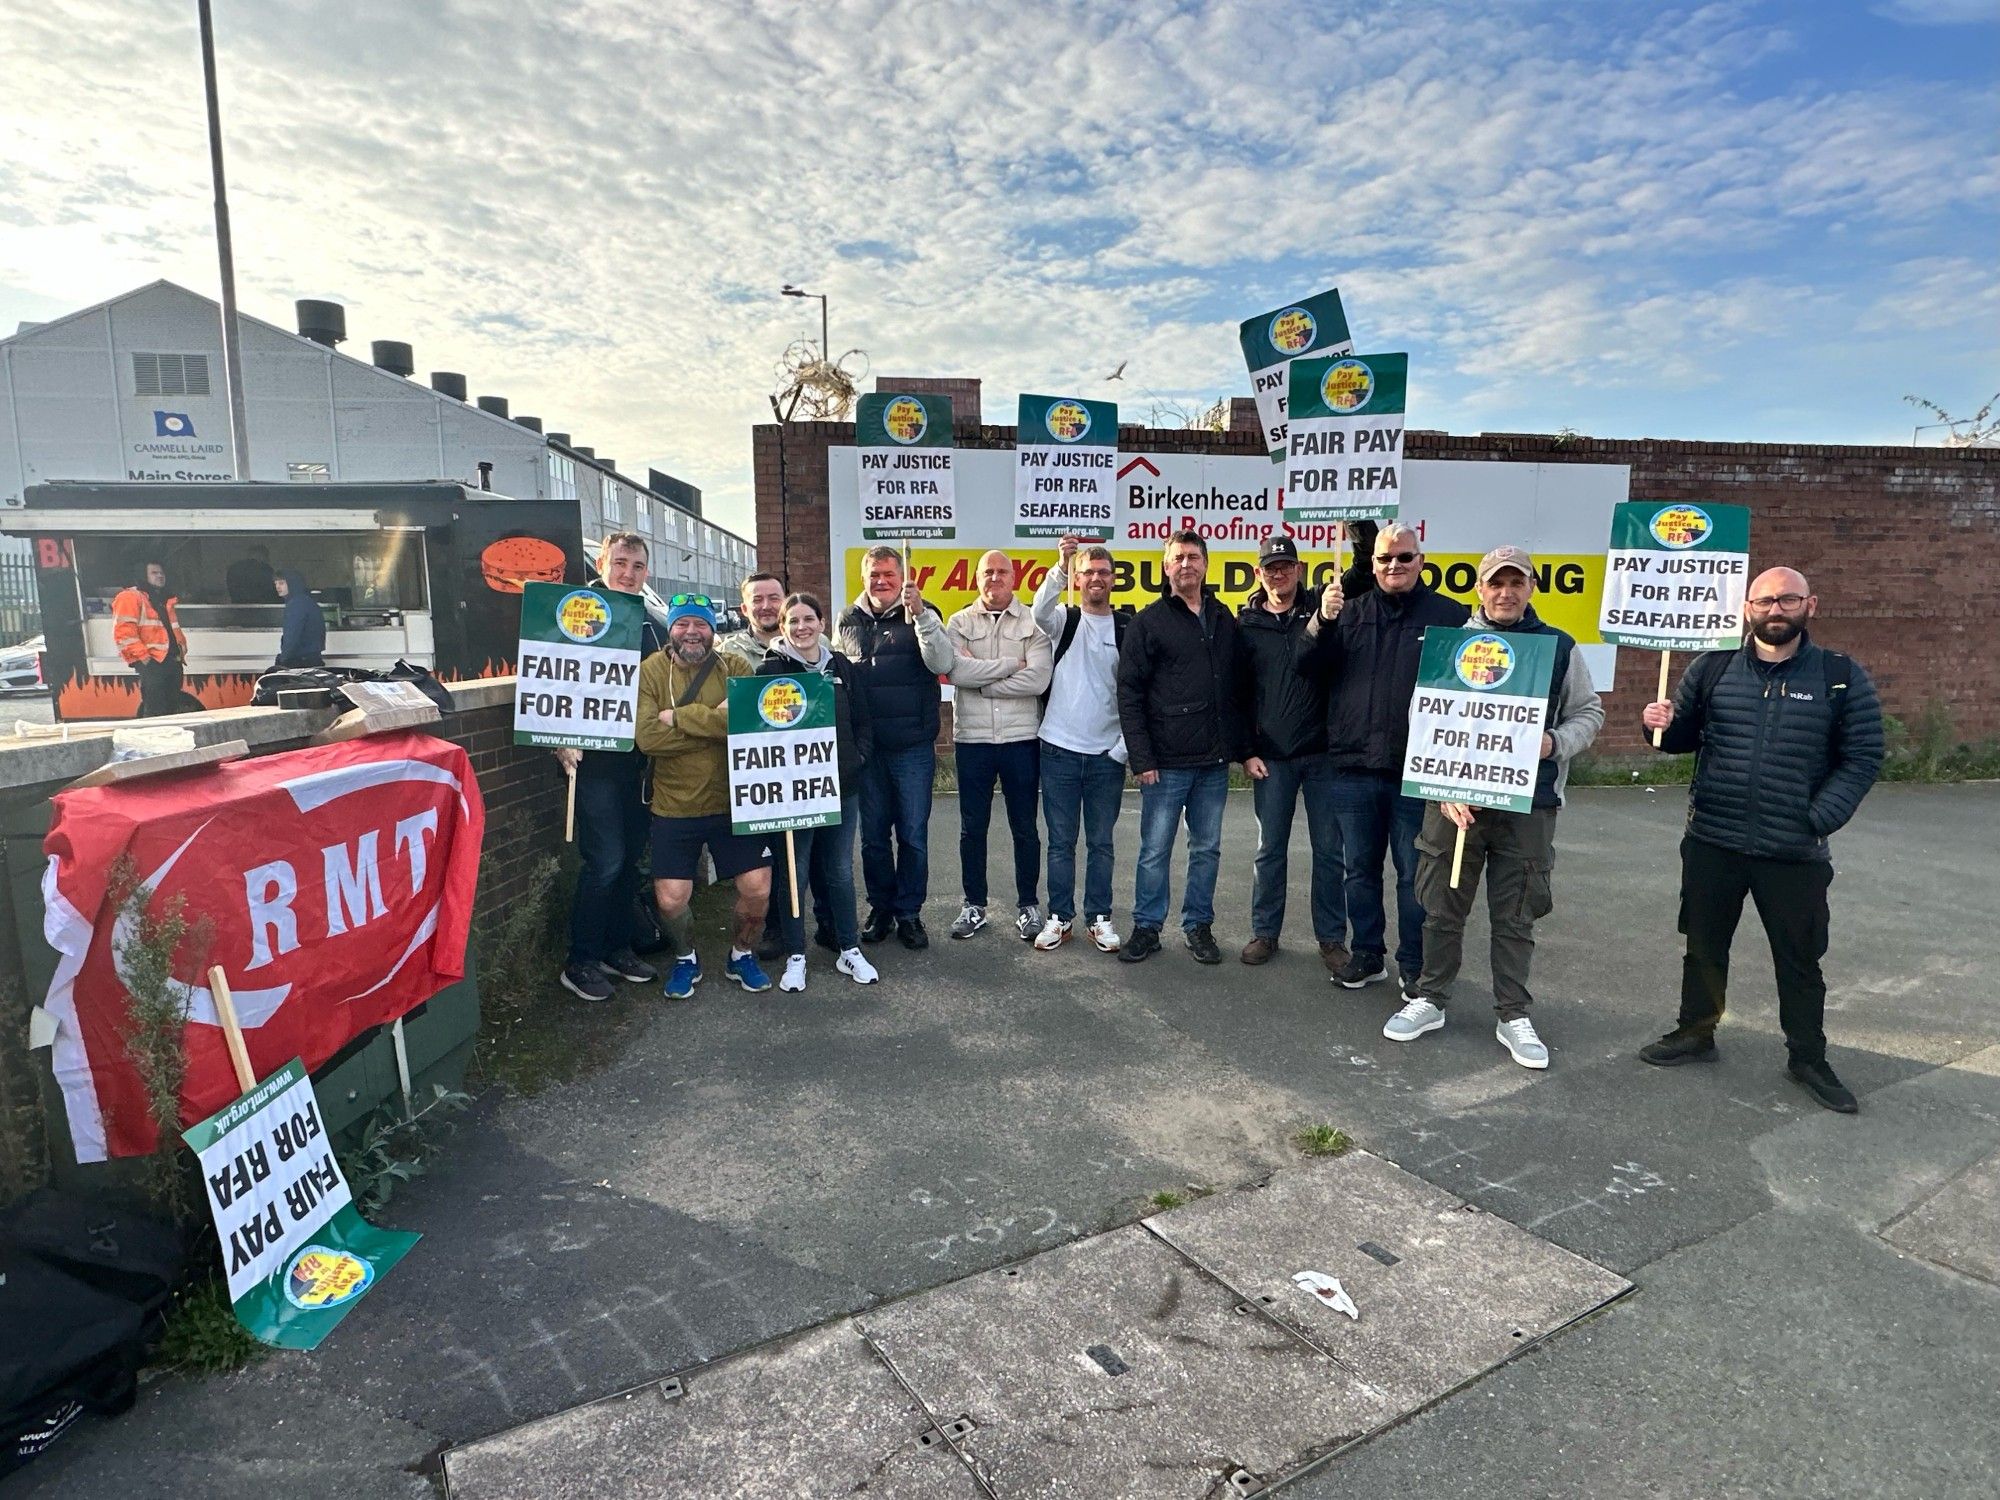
147, 631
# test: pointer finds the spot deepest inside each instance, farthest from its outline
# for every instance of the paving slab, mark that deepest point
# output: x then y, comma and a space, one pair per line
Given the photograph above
1115, 1367
814, 1415
1960, 1226
1442, 1290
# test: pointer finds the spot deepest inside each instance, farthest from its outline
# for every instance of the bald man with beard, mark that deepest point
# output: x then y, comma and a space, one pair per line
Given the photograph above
1789, 740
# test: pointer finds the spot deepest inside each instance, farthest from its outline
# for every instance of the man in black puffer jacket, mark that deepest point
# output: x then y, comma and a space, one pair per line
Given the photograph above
1789, 740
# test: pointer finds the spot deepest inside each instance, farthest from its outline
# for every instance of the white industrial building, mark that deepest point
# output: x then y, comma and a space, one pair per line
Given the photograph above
133, 389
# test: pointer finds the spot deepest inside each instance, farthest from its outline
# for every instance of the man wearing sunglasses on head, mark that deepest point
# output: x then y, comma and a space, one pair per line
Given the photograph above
1366, 652
1788, 738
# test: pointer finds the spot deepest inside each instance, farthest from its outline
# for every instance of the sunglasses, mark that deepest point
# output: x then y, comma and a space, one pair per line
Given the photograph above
702, 599
1383, 559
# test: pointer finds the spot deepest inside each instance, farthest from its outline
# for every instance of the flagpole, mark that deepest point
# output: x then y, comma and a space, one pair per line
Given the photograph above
232, 343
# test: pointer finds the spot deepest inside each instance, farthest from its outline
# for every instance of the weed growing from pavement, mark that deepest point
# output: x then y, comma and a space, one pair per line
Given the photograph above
202, 1334
1167, 1199
1322, 1140
393, 1149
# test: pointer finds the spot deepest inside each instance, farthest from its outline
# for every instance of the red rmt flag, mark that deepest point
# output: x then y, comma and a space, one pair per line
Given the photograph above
338, 881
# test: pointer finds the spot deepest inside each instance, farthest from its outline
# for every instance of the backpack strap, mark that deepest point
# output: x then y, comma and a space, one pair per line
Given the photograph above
1072, 617
694, 685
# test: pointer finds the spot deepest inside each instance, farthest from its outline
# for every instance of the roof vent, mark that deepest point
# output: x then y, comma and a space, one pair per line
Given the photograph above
322, 322
582, 452
397, 359
533, 424
559, 437
448, 383
495, 404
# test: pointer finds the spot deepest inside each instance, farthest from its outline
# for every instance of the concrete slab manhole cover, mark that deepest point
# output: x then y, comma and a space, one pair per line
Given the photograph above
816, 1415
1114, 1367
1440, 1290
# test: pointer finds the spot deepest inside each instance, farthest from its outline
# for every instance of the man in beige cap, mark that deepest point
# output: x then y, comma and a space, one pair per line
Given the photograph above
1516, 849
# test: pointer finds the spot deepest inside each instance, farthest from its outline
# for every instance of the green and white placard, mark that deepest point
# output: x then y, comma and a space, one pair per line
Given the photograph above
296, 1253
577, 669
1344, 449
1476, 718
1675, 576
1272, 340
784, 763
903, 442
1065, 466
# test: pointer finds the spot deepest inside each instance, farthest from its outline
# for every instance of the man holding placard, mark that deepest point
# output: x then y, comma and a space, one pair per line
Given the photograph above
1516, 846
1789, 740
1065, 466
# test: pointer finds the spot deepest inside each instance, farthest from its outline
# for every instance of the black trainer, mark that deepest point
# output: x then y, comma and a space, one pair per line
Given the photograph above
823, 935
1201, 943
627, 965
1140, 946
881, 922
1818, 1080
910, 930
1678, 1047
586, 982
1362, 969
771, 946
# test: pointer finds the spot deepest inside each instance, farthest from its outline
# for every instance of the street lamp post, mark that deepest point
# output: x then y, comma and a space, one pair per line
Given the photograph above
232, 345
825, 349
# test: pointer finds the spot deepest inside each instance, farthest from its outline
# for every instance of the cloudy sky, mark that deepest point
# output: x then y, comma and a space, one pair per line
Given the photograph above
1752, 220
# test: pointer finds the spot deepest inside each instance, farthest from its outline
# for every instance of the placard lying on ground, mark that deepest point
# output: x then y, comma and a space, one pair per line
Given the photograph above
784, 762
1344, 450
1065, 466
577, 670
1272, 340
1476, 717
1675, 576
903, 443
297, 1254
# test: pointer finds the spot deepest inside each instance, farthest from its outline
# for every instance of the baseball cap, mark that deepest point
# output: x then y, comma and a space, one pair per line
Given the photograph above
1278, 548
1506, 557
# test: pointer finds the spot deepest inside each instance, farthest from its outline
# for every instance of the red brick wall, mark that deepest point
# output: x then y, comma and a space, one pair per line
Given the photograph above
1898, 542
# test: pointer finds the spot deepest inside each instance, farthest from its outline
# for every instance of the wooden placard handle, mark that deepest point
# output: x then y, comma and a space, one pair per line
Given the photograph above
1457, 857
792, 869
569, 808
232, 1033
1665, 658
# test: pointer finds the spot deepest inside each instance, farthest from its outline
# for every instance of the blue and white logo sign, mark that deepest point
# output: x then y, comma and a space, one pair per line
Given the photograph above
172, 424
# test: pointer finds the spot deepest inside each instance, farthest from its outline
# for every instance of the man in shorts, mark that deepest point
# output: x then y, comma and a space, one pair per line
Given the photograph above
684, 730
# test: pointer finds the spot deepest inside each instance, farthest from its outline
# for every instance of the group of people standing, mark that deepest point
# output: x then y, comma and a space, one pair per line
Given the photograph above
1057, 700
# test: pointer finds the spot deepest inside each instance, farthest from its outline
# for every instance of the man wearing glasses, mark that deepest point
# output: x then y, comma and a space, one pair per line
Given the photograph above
1789, 736
1366, 653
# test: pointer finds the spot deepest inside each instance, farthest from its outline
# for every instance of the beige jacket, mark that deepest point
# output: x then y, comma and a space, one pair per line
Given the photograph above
997, 700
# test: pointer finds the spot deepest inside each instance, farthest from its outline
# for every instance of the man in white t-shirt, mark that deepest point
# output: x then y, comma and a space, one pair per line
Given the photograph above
1083, 749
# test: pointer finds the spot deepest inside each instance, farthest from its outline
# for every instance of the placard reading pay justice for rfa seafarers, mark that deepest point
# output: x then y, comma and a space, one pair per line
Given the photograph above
1676, 575
1344, 449
1476, 718
577, 669
903, 443
1272, 340
784, 764
1065, 466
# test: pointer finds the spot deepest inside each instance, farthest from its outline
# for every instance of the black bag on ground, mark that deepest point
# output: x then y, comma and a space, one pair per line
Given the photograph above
127, 1255
289, 679
65, 1349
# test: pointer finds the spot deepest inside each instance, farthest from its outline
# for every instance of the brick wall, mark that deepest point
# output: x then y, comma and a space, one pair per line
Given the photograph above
1897, 542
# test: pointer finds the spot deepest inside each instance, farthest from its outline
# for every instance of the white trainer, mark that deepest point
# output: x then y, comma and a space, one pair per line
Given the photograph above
795, 973
1413, 1020
1055, 932
854, 964
1519, 1038
1104, 935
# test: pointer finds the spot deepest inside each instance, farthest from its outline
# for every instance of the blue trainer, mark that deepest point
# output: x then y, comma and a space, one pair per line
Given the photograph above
686, 975
747, 972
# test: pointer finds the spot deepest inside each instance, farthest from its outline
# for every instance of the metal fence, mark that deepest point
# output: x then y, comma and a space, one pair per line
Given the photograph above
20, 606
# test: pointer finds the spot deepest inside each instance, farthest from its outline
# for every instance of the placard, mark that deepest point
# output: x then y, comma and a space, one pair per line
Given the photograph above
1477, 716
1065, 466
1344, 449
903, 446
784, 759
1272, 340
1676, 574
577, 669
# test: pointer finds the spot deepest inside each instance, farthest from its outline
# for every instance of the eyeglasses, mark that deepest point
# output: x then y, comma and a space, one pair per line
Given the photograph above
1786, 602
702, 599
1383, 559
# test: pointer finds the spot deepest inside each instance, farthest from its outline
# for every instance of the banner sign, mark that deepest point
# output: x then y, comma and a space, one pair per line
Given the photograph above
1344, 453
1677, 576
577, 670
1065, 466
1272, 340
1476, 717
297, 1254
337, 881
903, 443
784, 764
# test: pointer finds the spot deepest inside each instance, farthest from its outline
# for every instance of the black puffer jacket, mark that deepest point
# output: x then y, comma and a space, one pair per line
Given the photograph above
1784, 753
1367, 660
890, 673
854, 735
1288, 712
631, 763
1183, 698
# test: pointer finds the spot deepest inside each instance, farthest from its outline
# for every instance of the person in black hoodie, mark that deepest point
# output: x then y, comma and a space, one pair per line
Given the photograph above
303, 641
1789, 739
613, 822
1366, 654
1183, 704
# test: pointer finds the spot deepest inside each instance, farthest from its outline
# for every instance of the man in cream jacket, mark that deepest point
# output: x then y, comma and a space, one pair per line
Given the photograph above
1001, 663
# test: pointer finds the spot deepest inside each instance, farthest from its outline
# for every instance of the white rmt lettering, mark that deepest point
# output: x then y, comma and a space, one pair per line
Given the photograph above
269, 890
353, 885
410, 833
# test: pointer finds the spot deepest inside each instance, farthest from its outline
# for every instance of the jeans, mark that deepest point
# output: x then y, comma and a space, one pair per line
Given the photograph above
826, 879
1200, 795
1017, 767
1791, 901
612, 824
1080, 788
1276, 799
1517, 852
1376, 818
896, 800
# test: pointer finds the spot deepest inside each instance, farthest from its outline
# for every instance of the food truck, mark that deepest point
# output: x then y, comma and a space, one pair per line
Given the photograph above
425, 573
